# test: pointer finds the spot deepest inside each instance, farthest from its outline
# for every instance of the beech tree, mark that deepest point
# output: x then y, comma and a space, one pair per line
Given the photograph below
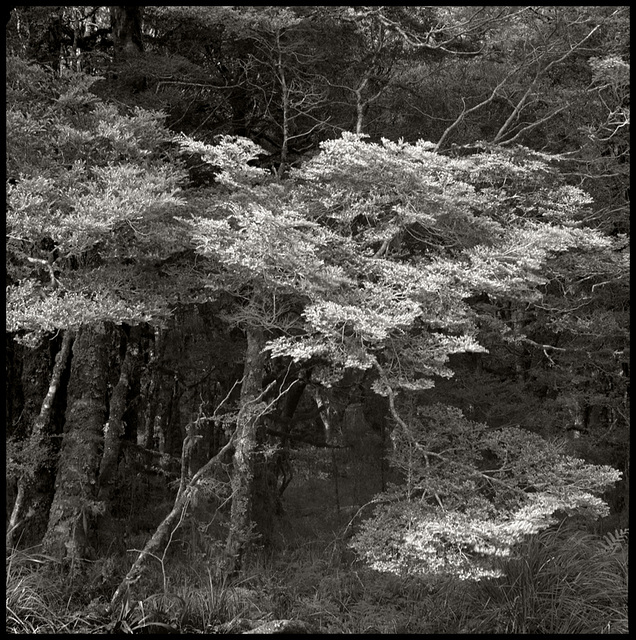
442, 225
384, 243
87, 194
384, 258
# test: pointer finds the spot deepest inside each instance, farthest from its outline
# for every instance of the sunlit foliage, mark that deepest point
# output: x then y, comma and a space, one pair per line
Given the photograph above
471, 494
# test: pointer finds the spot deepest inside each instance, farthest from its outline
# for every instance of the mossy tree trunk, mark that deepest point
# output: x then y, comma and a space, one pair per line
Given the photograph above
126, 28
27, 498
245, 451
73, 512
27, 378
115, 427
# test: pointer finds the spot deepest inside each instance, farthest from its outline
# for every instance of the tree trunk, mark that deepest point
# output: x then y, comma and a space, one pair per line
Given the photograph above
74, 507
28, 377
282, 467
126, 27
520, 353
284, 90
244, 460
126, 30
114, 428
37, 440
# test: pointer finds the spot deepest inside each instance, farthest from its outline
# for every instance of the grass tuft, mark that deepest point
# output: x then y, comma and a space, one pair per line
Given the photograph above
562, 581
32, 606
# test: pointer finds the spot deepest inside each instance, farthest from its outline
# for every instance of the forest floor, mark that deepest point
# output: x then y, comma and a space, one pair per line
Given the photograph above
564, 580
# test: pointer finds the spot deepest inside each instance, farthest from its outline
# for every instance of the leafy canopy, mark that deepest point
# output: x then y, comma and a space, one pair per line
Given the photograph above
376, 248
363, 259
90, 198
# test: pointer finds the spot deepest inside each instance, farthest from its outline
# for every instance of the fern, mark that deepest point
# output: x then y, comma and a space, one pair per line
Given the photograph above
615, 541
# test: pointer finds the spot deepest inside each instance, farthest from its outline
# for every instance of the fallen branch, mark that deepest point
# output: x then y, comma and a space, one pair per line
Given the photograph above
166, 526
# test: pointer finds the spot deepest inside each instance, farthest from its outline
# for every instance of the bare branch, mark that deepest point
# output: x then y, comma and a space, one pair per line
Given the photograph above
478, 106
532, 125
522, 102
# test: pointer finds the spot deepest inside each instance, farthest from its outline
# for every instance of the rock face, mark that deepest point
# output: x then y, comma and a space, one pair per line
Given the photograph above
284, 626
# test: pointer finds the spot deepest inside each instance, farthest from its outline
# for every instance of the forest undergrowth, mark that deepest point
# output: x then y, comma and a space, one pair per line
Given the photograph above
562, 581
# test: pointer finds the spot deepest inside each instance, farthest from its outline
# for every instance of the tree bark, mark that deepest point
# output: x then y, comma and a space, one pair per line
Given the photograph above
114, 428
37, 439
150, 390
70, 528
126, 26
28, 377
244, 460
126, 30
